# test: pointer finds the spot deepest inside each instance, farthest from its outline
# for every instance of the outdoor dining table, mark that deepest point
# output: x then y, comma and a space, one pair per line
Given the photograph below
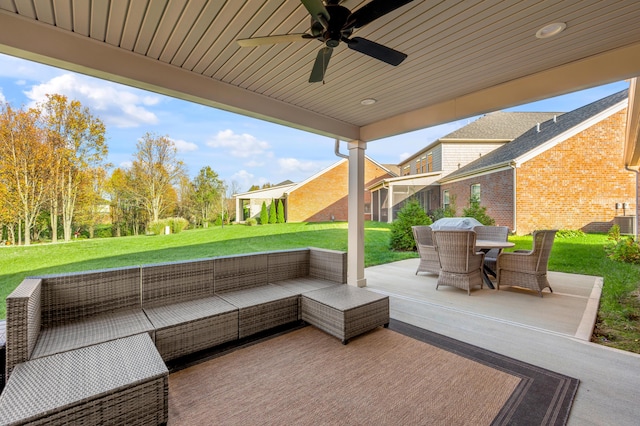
485, 246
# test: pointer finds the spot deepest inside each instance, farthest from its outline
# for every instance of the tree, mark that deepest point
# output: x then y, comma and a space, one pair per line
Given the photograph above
91, 200
24, 170
155, 169
264, 216
206, 194
78, 140
476, 211
272, 212
280, 212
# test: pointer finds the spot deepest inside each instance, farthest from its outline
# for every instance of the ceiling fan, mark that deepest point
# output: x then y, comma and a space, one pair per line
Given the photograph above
332, 23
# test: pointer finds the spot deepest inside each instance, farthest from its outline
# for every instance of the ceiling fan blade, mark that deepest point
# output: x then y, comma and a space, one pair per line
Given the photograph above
372, 11
317, 10
320, 65
285, 38
377, 51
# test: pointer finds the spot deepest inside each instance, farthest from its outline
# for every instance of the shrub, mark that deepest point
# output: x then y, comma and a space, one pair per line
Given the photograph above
478, 212
272, 213
251, 222
626, 249
280, 212
176, 224
264, 216
411, 214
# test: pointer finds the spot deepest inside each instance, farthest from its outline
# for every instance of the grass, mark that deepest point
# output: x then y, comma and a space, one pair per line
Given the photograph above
618, 319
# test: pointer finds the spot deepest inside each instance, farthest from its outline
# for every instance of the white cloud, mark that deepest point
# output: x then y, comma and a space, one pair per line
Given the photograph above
113, 104
404, 156
184, 146
2, 98
239, 145
290, 165
254, 163
126, 164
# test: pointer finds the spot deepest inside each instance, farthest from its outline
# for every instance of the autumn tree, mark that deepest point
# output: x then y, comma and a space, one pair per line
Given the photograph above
206, 194
127, 214
78, 141
91, 199
155, 169
24, 171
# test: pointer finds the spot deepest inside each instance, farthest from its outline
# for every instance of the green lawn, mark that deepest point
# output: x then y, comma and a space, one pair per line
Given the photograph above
618, 322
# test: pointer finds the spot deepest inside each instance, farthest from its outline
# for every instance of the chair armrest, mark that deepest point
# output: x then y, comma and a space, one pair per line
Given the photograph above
23, 322
521, 261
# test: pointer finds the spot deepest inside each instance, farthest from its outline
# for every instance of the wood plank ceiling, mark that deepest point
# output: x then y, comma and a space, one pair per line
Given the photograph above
464, 57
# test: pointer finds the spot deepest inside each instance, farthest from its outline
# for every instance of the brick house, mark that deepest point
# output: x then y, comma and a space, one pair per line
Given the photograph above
421, 172
322, 197
565, 173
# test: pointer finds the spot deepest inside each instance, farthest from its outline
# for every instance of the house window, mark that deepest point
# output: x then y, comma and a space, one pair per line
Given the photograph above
475, 192
406, 170
418, 166
445, 199
429, 162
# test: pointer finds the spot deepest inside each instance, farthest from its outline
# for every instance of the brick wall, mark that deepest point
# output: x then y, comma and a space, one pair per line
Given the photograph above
576, 184
496, 194
326, 197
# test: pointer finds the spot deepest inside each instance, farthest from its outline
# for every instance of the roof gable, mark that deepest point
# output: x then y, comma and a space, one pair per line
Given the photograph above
540, 138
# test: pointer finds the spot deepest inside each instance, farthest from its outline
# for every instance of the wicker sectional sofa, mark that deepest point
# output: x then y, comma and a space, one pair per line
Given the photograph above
184, 307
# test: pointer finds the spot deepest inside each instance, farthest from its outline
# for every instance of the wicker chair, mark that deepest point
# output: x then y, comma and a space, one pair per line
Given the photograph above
461, 265
491, 233
528, 269
428, 257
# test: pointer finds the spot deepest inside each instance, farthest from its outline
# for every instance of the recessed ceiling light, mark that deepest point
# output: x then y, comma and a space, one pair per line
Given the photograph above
368, 101
551, 30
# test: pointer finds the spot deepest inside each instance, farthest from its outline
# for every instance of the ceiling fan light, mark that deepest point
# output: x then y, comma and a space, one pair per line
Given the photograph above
551, 30
368, 101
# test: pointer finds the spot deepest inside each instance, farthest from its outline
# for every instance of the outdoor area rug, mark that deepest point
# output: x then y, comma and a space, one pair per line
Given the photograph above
401, 375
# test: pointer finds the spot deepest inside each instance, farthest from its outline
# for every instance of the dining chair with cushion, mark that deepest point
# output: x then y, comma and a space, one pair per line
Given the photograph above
424, 243
527, 268
461, 265
491, 233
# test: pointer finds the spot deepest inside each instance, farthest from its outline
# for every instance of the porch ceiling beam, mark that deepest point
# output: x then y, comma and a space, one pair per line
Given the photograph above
608, 67
36, 41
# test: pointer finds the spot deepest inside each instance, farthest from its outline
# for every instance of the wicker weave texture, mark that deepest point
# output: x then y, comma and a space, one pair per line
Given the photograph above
345, 311
24, 308
90, 386
429, 262
528, 269
187, 327
328, 265
287, 264
491, 233
69, 297
240, 272
461, 265
176, 282
91, 331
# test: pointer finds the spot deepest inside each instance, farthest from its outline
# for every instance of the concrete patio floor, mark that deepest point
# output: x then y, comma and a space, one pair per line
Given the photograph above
551, 332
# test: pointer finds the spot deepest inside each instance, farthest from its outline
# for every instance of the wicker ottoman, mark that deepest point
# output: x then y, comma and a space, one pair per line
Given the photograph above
345, 311
122, 381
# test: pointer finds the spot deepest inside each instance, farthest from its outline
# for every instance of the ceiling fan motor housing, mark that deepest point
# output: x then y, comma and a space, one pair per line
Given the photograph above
335, 32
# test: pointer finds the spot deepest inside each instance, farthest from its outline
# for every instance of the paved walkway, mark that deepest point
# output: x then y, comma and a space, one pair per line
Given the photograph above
551, 332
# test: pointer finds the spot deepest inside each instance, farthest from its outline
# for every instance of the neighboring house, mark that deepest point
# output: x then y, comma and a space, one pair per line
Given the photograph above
566, 173
322, 197
421, 172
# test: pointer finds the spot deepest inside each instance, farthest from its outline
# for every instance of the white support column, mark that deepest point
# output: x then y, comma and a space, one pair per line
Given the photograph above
355, 257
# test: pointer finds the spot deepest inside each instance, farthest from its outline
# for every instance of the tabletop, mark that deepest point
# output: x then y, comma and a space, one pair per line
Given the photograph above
489, 244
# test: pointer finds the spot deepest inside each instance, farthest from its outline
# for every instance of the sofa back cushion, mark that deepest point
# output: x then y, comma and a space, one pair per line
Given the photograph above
328, 265
288, 264
175, 282
72, 296
240, 272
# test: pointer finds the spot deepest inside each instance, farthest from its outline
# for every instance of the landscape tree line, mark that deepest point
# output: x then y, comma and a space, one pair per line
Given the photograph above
55, 180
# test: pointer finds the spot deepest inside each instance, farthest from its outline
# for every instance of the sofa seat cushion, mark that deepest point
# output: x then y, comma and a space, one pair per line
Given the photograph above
91, 331
304, 284
249, 297
186, 327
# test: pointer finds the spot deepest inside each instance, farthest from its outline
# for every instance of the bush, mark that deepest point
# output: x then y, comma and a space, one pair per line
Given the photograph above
251, 222
478, 212
280, 212
272, 213
264, 216
176, 224
410, 215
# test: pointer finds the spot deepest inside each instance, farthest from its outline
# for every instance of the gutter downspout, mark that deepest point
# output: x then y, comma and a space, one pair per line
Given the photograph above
637, 172
515, 196
337, 150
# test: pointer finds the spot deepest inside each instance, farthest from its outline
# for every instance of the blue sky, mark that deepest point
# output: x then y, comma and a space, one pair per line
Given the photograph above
240, 149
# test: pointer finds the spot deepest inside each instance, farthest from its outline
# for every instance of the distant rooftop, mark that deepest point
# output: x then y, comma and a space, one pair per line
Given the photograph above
500, 125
